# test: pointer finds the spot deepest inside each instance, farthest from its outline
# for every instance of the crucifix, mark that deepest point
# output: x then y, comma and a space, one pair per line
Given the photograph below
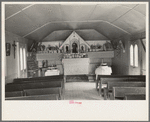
14, 45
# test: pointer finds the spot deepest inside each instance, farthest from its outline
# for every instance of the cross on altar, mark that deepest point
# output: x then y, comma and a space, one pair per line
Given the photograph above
14, 45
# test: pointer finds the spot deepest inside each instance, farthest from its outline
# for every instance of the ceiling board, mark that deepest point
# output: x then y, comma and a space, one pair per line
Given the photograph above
129, 5
11, 9
42, 14
132, 22
86, 25
42, 32
90, 34
141, 8
20, 24
108, 12
58, 35
80, 26
38, 21
76, 12
109, 30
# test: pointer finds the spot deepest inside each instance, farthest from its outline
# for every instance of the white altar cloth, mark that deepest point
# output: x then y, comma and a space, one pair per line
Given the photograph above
103, 70
52, 72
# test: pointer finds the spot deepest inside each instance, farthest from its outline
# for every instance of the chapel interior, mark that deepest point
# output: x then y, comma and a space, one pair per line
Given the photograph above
75, 51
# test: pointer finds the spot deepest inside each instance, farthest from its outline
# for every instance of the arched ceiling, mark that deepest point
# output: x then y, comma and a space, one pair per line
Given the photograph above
92, 21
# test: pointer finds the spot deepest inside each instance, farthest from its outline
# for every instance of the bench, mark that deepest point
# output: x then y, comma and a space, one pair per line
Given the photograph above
119, 92
104, 78
36, 97
43, 91
111, 84
49, 78
135, 97
22, 86
14, 94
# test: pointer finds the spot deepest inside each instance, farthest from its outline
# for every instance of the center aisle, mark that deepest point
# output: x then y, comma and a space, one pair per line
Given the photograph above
81, 91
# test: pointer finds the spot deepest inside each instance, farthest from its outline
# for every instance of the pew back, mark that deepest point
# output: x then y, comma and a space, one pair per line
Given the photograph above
135, 97
110, 84
36, 97
22, 86
14, 94
103, 79
43, 91
121, 91
49, 78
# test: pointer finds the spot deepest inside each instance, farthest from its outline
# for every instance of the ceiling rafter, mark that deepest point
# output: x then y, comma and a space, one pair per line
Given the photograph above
19, 11
138, 11
124, 14
92, 12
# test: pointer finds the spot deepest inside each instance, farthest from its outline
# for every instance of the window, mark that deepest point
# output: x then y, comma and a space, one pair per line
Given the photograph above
24, 54
131, 55
134, 56
21, 59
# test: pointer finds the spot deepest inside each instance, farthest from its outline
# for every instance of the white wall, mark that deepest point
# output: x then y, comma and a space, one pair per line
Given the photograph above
11, 63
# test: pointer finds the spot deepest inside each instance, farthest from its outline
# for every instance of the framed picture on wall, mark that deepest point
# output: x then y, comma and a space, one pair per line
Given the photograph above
8, 46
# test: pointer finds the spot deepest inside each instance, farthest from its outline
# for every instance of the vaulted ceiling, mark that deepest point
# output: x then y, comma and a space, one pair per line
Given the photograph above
92, 21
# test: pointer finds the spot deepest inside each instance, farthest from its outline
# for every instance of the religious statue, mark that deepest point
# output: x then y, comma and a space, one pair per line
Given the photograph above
74, 48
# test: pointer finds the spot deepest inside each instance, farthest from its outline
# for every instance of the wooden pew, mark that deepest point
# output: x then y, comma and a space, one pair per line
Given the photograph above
14, 94
122, 77
43, 91
102, 79
35, 81
21, 87
31, 85
119, 92
111, 84
49, 78
135, 97
36, 97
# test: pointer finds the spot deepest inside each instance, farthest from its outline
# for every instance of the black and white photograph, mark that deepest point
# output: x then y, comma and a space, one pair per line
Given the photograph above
75, 61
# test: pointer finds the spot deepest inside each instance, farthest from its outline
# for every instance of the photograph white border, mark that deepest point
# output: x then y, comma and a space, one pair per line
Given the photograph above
62, 110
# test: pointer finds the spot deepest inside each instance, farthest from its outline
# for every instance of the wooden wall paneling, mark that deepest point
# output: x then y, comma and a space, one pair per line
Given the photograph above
103, 54
49, 56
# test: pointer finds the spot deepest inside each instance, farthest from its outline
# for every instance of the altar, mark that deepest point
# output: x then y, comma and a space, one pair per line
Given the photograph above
76, 66
75, 56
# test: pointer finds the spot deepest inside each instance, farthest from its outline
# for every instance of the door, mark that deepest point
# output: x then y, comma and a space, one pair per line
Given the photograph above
22, 61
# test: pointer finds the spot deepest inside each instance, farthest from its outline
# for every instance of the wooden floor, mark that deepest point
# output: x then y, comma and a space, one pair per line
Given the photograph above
81, 91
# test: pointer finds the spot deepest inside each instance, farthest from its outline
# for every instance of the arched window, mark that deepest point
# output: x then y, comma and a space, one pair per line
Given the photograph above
136, 55
24, 54
131, 55
21, 58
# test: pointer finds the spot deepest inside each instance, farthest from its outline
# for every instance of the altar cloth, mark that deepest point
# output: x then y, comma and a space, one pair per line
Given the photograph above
52, 72
103, 70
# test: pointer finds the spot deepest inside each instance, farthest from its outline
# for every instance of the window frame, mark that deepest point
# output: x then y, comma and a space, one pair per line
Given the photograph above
133, 58
136, 62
